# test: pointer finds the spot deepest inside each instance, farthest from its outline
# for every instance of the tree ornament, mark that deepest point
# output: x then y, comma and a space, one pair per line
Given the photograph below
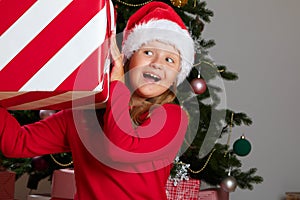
133, 5
196, 26
199, 23
229, 184
179, 3
39, 163
198, 84
46, 113
242, 146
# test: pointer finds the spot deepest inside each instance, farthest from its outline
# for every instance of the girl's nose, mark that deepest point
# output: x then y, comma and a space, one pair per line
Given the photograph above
156, 65
157, 62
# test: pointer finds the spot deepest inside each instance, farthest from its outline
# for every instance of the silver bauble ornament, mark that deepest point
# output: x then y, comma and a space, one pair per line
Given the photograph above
229, 184
46, 113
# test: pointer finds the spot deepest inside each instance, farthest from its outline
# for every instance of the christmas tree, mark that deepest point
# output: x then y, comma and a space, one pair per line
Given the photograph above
201, 157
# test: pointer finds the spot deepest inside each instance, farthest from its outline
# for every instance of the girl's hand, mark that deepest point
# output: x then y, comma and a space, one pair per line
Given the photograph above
117, 72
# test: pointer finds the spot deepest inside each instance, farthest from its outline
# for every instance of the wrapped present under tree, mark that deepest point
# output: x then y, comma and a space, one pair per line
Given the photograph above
183, 190
63, 184
7, 185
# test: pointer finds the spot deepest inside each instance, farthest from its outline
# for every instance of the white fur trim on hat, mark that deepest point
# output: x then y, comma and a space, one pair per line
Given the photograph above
165, 31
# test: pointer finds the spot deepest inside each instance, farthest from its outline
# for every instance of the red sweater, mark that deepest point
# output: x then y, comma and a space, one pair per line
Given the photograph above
120, 162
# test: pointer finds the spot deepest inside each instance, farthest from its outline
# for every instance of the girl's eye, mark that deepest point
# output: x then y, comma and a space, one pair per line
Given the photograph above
170, 60
149, 53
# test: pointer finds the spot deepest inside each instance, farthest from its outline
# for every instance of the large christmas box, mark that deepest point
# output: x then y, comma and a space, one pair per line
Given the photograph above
63, 184
7, 185
184, 190
54, 54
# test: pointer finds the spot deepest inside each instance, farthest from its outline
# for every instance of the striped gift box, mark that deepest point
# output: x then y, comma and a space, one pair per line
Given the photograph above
54, 54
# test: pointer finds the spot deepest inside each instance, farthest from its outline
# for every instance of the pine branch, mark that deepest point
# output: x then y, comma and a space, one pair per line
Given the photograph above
238, 118
230, 76
206, 44
245, 180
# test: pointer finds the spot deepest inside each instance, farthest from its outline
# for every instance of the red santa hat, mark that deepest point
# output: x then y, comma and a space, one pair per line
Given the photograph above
158, 21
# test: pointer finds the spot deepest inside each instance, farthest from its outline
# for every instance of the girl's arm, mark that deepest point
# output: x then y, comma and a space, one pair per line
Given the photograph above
43, 137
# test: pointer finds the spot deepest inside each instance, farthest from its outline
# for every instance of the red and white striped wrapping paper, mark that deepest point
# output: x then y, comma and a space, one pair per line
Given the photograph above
54, 54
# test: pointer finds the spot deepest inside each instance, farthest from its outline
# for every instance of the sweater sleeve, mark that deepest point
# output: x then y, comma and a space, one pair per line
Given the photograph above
43, 137
159, 137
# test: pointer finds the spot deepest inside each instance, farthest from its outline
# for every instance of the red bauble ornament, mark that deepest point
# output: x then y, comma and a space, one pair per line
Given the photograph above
39, 163
198, 85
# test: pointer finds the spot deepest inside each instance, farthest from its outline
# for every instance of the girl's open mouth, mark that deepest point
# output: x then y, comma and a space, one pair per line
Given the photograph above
151, 77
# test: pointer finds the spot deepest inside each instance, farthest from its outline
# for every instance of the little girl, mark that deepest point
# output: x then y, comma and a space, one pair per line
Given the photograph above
131, 155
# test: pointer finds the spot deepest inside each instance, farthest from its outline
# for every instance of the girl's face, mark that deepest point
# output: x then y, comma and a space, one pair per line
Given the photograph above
153, 69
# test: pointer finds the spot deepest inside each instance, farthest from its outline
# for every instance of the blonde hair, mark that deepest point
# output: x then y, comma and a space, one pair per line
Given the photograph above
137, 112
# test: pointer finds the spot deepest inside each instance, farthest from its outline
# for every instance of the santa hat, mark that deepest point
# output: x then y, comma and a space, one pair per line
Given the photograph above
158, 21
